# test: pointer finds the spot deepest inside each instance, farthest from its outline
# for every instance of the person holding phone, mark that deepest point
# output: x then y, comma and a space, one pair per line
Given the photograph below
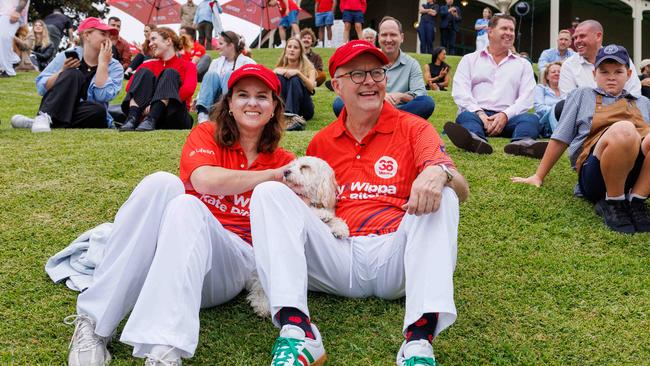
78, 84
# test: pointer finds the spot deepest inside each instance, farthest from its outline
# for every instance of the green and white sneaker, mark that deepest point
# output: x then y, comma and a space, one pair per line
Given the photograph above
415, 353
292, 348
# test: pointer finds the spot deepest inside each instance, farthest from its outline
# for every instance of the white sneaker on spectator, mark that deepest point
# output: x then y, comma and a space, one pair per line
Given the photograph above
20, 121
414, 353
202, 117
163, 356
42, 123
281, 45
86, 347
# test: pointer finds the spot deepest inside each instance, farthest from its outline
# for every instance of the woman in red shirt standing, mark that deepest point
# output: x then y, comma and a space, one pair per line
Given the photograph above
182, 244
161, 89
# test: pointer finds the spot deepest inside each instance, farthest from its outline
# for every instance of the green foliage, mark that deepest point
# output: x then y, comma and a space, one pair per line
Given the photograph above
75, 9
539, 279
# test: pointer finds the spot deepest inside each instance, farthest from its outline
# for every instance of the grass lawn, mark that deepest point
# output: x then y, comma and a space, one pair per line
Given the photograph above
539, 279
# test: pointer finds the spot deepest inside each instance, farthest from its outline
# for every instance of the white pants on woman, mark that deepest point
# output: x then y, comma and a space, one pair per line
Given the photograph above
482, 42
295, 252
167, 257
7, 55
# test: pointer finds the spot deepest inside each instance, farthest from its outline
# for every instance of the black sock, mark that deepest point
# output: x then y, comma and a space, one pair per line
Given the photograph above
423, 328
156, 110
134, 111
295, 317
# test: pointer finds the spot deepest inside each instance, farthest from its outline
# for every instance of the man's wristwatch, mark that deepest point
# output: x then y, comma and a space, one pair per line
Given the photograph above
450, 175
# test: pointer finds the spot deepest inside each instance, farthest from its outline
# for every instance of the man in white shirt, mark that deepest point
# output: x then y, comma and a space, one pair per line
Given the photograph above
578, 70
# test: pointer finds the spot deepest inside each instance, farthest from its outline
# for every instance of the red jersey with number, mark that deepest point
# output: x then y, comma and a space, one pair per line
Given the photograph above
201, 149
324, 5
375, 175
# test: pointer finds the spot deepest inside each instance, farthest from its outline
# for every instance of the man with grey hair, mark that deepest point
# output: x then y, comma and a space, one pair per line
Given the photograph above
369, 35
578, 70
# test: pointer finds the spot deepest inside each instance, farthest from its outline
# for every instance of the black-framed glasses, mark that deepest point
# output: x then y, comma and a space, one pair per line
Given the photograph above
359, 76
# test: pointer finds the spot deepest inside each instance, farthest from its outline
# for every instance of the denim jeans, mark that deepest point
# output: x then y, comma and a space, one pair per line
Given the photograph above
521, 126
422, 106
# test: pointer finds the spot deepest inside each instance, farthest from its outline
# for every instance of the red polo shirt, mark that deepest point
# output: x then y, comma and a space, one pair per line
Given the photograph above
283, 10
375, 175
201, 149
186, 70
324, 5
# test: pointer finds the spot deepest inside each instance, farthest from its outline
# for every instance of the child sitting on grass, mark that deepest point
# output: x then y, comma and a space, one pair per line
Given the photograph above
604, 129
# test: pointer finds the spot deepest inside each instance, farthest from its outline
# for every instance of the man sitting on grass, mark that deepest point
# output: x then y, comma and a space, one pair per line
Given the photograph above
399, 194
604, 129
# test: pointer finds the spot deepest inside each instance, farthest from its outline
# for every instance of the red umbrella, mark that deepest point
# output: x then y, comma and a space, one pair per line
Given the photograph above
257, 12
150, 11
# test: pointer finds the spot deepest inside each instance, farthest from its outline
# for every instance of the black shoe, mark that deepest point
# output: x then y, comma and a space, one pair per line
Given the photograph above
129, 124
4, 75
640, 215
466, 140
146, 125
526, 147
616, 215
328, 84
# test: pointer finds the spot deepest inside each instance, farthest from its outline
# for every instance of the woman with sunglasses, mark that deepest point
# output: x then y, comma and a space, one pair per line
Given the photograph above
182, 244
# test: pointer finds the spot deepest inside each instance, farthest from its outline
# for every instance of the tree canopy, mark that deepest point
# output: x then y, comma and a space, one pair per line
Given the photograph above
75, 9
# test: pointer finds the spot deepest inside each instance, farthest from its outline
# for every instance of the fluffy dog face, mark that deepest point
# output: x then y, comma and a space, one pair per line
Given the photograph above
313, 179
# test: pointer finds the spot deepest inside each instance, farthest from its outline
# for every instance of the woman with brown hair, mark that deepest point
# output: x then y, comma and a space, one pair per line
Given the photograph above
182, 244
42, 50
161, 89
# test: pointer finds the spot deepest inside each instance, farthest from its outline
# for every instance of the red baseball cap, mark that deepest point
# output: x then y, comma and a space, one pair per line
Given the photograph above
352, 49
265, 75
96, 23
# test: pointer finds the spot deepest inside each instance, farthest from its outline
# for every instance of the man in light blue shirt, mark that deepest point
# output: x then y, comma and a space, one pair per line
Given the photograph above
561, 53
206, 21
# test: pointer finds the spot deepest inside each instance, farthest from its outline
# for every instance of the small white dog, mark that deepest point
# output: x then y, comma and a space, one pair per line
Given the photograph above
313, 180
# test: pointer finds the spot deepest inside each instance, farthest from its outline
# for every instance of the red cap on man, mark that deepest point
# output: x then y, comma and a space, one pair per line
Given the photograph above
96, 23
352, 49
259, 72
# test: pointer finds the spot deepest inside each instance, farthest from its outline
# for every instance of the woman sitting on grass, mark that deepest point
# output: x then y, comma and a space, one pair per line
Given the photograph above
179, 245
161, 89
605, 129
144, 54
547, 95
42, 50
298, 78
436, 74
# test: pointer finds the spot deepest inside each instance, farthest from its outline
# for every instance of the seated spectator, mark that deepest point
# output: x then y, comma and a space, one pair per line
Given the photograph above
161, 89
215, 81
560, 53
308, 38
493, 89
605, 129
197, 53
76, 90
370, 35
23, 48
145, 53
298, 78
405, 83
43, 50
644, 76
436, 74
121, 49
547, 95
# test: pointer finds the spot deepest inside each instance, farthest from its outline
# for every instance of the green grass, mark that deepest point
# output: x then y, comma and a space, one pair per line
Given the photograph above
539, 279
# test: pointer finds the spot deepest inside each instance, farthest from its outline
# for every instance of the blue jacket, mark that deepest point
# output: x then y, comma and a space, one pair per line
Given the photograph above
449, 21
96, 94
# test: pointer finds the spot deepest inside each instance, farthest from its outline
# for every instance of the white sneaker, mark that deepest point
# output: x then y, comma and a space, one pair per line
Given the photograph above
20, 121
281, 45
414, 353
293, 348
167, 356
42, 123
202, 117
86, 347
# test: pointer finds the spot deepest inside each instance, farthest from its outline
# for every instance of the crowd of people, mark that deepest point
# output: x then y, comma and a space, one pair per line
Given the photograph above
398, 188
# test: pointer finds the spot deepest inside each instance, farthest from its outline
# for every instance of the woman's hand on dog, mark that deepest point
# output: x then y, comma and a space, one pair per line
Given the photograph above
426, 191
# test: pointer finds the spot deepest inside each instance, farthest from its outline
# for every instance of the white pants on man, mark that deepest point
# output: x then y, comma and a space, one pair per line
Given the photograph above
296, 252
167, 257
7, 55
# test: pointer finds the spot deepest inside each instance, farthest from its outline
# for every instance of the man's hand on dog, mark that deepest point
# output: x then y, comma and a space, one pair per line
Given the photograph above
426, 191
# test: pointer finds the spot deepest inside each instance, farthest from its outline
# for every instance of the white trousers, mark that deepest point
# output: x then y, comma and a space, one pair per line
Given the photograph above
167, 258
7, 56
482, 42
296, 252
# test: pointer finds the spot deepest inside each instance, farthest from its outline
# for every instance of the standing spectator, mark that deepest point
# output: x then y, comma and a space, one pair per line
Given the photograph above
644, 76
324, 20
436, 74
121, 48
204, 22
449, 25
197, 53
574, 25
13, 14
561, 53
308, 38
145, 52
427, 26
289, 22
481, 27
58, 24
23, 48
298, 78
353, 11
76, 90
188, 10
578, 70
493, 89
43, 49
547, 95
370, 35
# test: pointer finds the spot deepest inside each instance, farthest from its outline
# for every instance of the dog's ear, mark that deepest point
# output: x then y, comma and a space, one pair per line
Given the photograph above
326, 193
